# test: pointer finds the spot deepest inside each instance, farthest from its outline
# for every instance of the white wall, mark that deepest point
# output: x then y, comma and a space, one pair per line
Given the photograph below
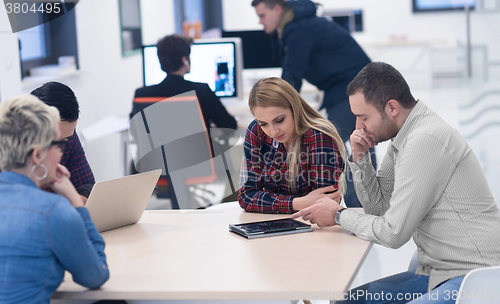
157, 20
239, 16
10, 73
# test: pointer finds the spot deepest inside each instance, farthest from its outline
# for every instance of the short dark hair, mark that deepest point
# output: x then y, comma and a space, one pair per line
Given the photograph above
171, 49
380, 82
269, 3
60, 96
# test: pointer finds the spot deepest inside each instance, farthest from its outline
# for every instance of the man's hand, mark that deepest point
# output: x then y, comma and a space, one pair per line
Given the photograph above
321, 213
360, 144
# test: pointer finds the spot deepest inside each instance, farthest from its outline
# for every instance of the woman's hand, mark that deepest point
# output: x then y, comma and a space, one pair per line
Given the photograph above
63, 186
312, 197
62, 170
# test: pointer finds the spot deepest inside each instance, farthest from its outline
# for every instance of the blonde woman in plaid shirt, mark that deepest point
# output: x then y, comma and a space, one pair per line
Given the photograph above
292, 155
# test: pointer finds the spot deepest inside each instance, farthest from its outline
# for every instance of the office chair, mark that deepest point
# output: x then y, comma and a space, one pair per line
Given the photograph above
171, 134
480, 286
414, 262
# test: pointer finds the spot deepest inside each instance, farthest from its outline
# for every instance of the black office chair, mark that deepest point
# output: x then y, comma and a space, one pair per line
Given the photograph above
171, 134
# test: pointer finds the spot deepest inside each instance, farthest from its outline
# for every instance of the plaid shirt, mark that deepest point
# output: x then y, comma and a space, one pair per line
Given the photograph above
74, 159
264, 180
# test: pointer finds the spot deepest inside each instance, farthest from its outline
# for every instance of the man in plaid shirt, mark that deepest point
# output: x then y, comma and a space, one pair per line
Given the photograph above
62, 97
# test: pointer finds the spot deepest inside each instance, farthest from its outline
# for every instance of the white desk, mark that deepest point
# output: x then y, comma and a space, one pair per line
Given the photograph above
191, 255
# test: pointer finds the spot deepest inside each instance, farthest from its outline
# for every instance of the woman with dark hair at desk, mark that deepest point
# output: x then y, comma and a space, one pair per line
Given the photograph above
42, 234
292, 155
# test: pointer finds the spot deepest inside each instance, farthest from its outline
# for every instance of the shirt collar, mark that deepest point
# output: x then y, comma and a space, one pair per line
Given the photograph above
287, 17
16, 178
172, 78
418, 110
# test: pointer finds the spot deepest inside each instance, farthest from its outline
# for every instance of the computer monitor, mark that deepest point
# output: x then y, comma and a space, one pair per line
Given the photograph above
351, 20
441, 5
216, 62
260, 50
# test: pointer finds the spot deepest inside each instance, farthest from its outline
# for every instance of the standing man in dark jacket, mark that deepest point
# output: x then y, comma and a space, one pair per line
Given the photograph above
320, 51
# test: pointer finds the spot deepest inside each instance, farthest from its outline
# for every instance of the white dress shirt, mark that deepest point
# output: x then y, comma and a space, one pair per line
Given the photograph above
430, 187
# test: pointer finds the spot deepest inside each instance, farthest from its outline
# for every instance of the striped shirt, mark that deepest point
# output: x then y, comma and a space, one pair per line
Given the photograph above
430, 186
263, 177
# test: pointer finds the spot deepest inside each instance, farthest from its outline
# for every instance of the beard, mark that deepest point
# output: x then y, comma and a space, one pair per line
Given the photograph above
385, 130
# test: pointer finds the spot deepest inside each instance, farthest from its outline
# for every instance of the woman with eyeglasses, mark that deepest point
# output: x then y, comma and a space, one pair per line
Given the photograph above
42, 234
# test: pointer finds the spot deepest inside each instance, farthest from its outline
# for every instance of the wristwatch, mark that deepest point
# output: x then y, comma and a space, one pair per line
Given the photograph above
337, 215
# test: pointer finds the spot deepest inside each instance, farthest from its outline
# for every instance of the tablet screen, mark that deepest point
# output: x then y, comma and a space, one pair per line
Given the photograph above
271, 226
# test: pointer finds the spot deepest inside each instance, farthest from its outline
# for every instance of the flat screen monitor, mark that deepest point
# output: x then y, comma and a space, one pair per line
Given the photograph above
351, 20
216, 62
260, 50
442, 5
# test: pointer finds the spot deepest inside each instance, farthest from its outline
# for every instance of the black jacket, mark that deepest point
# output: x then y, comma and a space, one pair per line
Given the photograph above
211, 107
320, 51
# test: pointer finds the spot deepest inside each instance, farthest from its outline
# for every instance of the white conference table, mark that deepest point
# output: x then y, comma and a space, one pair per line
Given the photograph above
191, 255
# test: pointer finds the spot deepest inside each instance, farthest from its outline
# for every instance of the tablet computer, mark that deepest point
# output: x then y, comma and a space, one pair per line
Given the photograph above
269, 228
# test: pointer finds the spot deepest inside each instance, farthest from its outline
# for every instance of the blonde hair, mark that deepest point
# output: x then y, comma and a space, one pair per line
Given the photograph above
276, 92
25, 123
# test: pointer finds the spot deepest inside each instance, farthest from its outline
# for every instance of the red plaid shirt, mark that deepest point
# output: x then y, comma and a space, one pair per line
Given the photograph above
263, 178
74, 159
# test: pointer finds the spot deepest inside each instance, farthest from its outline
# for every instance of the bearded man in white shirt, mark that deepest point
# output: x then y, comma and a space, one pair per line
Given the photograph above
430, 186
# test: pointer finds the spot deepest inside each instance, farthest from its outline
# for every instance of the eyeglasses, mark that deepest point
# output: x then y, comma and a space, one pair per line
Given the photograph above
61, 144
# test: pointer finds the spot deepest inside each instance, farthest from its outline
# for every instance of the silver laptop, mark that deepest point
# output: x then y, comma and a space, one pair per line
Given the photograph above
120, 202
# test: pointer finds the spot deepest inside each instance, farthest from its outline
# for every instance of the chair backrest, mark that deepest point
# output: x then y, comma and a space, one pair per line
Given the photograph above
414, 262
480, 286
171, 135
